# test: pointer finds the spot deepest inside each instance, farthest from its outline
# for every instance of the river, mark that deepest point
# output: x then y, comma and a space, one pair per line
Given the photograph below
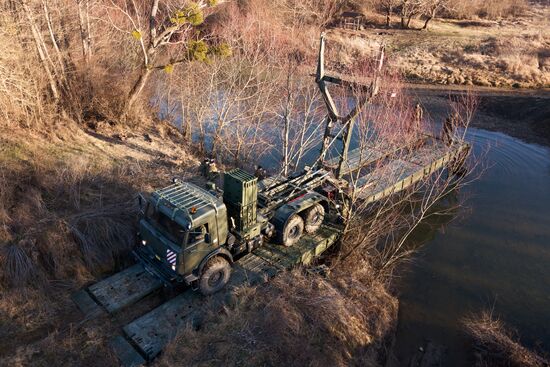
495, 254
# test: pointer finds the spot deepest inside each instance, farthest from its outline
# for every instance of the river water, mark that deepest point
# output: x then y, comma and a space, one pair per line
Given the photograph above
494, 254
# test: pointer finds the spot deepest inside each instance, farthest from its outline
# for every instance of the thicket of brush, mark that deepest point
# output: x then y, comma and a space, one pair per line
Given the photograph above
298, 319
497, 345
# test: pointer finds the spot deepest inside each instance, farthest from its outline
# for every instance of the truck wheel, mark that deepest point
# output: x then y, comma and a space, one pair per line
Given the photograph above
292, 231
215, 275
314, 218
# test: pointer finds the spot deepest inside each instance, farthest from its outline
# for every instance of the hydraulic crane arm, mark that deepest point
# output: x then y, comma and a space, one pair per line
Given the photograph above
347, 121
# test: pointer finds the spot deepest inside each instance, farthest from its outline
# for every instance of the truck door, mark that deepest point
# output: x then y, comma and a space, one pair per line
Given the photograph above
199, 244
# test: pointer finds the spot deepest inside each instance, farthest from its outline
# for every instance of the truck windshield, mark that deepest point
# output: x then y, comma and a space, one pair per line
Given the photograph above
173, 230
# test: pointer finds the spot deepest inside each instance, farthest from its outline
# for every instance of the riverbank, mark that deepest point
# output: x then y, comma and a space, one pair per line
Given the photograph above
523, 114
68, 215
511, 53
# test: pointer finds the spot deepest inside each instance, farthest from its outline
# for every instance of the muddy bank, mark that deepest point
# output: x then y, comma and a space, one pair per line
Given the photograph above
521, 114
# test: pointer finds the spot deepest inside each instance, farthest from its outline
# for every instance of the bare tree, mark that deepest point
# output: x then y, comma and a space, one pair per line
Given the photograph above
393, 182
431, 8
409, 9
83, 7
165, 32
387, 6
42, 50
384, 229
319, 12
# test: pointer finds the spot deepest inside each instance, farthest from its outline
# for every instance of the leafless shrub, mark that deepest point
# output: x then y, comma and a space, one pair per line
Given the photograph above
498, 346
339, 321
104, 233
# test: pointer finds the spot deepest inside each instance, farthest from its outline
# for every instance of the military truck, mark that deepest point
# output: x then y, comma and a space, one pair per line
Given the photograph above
192, 235
254, 228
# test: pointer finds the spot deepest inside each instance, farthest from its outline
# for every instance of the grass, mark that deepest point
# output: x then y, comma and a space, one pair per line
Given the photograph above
507, 52
67, 216
497, 345
297, 319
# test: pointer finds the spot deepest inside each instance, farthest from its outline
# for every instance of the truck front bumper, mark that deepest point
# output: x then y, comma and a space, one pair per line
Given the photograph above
157, 268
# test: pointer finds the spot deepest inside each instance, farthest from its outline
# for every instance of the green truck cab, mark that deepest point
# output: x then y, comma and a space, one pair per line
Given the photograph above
191, 235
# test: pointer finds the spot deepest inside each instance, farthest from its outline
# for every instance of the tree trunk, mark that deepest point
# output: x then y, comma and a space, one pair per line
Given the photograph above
285, 144
388, 15
185, 123
138, 87
53, 39
84, 19
426, 23
42, 51
409, 21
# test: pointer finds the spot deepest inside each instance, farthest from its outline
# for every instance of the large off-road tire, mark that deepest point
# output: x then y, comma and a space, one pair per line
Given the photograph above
215, 275
293, 230
314, 218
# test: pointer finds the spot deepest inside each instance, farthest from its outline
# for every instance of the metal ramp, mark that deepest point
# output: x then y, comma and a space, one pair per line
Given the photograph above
118, 291
147, 336
398, 174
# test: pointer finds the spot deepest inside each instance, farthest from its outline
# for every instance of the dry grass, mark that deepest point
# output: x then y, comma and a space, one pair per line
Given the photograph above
298, 319
67, 216
504, 53
490, 9
497, 345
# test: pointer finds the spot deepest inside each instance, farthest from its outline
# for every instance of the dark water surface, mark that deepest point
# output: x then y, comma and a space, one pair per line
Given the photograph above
494, 254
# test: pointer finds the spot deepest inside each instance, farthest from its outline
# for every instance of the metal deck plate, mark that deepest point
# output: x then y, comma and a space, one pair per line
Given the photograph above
124, 288
252, 269
303, 252
152, 331
398, 174
127, 355
85, 303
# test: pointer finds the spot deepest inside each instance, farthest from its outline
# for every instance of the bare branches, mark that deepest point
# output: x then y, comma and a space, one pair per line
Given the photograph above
394, 143
163, 29
497, 344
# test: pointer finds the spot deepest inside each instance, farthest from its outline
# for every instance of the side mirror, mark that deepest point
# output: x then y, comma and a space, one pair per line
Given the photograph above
142, 204
207, 237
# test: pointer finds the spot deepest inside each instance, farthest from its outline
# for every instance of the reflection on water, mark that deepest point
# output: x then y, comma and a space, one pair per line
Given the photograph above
497, 255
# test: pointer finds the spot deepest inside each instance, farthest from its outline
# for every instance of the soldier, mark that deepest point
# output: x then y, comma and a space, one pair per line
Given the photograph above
418, 116
210, 170
213, 171
448, 128
261, 173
